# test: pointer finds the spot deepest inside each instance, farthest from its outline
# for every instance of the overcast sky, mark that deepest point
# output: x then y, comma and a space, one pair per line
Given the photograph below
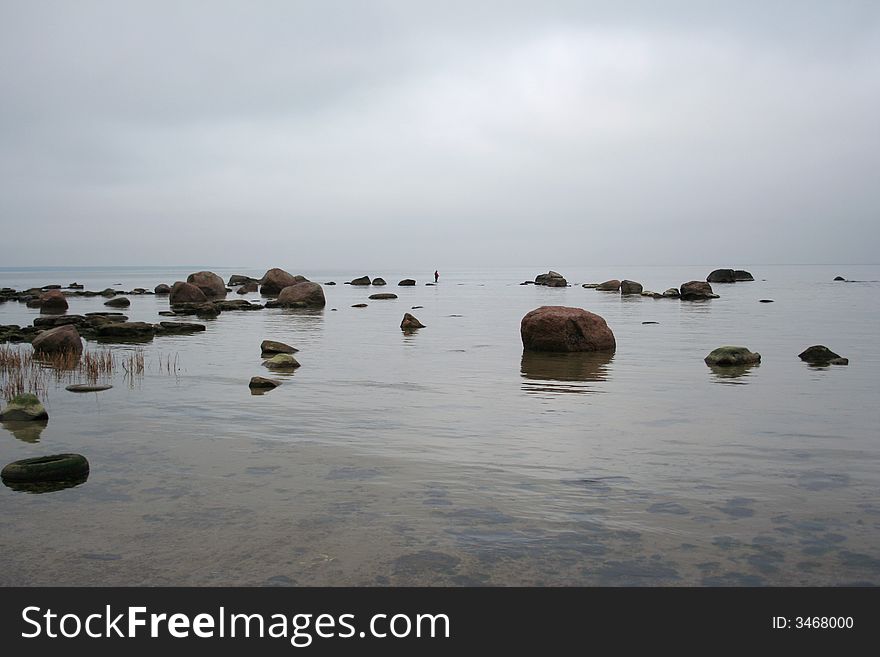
439, 134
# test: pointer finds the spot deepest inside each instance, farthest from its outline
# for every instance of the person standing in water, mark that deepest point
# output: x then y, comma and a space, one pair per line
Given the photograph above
436, 276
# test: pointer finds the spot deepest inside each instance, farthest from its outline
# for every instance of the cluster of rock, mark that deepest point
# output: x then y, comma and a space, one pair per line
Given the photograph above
366, 280
278, 357
52, 299
690, 291
551, 279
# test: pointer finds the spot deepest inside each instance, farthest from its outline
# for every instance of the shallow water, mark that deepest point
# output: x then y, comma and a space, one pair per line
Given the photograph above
449, 457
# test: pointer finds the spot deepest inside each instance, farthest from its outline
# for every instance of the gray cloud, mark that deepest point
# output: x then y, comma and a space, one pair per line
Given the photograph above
329, 134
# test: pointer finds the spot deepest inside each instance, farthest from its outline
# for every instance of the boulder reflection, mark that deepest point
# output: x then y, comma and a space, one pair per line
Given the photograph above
734, 375
564, 372
28, 432
38, 487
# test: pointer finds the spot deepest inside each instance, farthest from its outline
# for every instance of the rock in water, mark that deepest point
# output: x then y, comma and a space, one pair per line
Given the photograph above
359, 305
630, 287
53, 301
839, 278
407, 282
263, 382
118, 302
742, 275
819, 354
247, 288
551, 279
161, 288
609, 286
272, 347
363, 280
85, 387
58, 340
282, 362
275, 280
311, 294
239, 279
209, 283
672, 293
379, 281
732, 356
721, 276
24, 408
182, 292
696, 291
409, 323
560, 328
383, 295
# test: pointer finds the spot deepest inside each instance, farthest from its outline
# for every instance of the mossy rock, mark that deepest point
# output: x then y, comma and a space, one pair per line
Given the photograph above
732, 357
282, 362
24, 408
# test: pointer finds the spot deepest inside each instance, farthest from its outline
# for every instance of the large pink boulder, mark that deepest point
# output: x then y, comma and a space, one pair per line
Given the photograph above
275, 280
560, 328
58, 340
208, 282
306, 292
186, 293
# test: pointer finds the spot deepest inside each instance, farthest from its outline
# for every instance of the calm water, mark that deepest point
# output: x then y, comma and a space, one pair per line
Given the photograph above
448, 457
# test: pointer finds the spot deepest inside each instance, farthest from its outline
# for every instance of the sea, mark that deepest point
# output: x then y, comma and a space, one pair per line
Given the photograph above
448, 456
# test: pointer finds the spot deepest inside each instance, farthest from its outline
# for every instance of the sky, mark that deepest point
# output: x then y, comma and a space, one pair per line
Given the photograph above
353, 134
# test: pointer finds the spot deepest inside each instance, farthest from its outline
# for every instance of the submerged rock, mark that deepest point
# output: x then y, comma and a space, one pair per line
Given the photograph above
282, 362
126, 330
383, 295
359, 305
272, 347
410, 323
24, 408
179, 328
732, 357
263, 383
560, 328
407, 282
118, 302
236, 304
85, 387
819, 354
696, 291
61, 339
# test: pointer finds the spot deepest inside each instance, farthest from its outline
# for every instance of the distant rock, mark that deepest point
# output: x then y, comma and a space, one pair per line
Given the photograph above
363, 280
821, 355
721, 276
118, 302
560, 328
630, 287
551, 279
330, 283
383, 295
179, 328
410, 323
162, 288
236, 304
209, 283
696, 291
308, 293
379, 281
653, 295
588, 286
742, 275
407, 282
416, 307
107, 292
182, 292
75, 286
839, 278
61, 339
262, 382
672, 293
240, 279
272, 347
24, 408
248, 288
765, 300
282, 362
359, 305
731, 357
53, 301
609, 286
276, 279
